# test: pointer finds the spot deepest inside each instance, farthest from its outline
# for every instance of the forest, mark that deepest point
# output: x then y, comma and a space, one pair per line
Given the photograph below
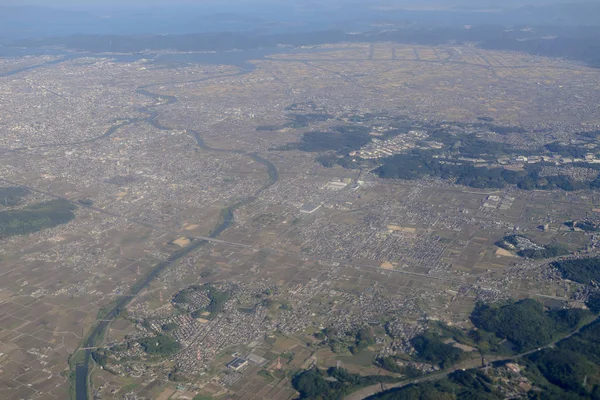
512, 242
389, 363
333, 384
503, 329
340, 139
587, 226
160, 345
419, 164
448, 163
526, 324
582, 270
431, 349
35, 217
570, 370
217, 298
354, 340
467, 385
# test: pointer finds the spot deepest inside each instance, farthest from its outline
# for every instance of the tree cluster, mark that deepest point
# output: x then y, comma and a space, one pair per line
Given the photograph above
583, 270
35, 217
525, 323
431, 349
419, 164
464, 385
334, 384
160, 345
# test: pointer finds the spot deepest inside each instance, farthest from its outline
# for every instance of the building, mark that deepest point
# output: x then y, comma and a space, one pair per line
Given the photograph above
336, 185
257, 359
237, 364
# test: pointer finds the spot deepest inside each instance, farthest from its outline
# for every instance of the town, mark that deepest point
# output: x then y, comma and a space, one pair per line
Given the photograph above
221, 243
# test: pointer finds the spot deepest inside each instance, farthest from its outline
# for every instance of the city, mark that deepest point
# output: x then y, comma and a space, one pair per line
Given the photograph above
225, 258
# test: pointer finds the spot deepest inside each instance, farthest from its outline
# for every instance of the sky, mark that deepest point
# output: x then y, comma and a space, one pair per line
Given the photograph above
96, 3
71, 3
133, 17
137, 3
127, 5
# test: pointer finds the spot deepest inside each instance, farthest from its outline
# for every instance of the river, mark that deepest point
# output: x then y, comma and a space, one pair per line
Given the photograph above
96, 335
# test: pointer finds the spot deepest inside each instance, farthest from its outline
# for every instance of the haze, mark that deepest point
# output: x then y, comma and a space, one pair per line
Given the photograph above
299, 199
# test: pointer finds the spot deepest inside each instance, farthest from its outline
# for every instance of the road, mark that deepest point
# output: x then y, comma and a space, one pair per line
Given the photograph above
152, 115
95, 337
368, 391
273, 179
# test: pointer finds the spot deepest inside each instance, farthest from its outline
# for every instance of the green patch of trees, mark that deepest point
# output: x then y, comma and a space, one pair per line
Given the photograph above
176, 375
587, 226
389, 363
421, 163
530, 249
565, 369
354, 340
593, 302
431, 348
182, 296
467, 385
159, 345
341, 139
583, 270
470, 145
330, 160
364, 338
218, 298
315, 384
567, 150
303, 120
549, 251
100, 357
525, 323
488, 342
571, 370
35, 217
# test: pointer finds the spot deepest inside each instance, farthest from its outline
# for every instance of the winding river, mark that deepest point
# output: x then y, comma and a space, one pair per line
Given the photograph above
96, 335
112, 312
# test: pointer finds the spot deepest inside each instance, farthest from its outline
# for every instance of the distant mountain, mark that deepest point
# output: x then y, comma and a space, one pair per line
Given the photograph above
269, 16
25, 21
39, 13
576, 13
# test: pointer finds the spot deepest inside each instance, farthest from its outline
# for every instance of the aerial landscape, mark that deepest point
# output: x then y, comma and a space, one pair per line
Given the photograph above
318, 200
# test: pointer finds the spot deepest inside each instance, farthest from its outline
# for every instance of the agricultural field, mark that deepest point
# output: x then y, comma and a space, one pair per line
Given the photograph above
211, 179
